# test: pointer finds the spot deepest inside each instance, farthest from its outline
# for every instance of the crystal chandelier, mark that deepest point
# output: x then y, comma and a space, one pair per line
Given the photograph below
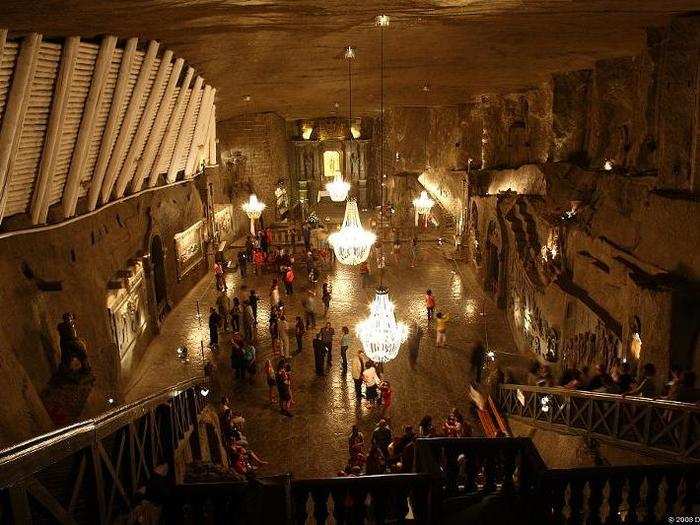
380, 334
352, 242
338, 189
253, 208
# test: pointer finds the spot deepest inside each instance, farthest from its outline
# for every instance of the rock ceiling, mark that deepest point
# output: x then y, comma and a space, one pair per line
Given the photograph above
286, 54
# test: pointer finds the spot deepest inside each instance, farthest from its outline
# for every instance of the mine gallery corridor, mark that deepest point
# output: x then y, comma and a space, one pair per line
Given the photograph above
372, 262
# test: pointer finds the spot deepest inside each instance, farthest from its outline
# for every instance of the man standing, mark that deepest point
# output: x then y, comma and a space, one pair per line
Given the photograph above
381, 437
289, 280
309, 305
344, 344
243, 264
223, 305
248, 321
214, 322
253, 300
327, 333
319, 350
357, 365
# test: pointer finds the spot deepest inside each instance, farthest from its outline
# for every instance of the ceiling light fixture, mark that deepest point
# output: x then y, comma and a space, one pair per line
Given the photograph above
253, 208
381, 336
352, 243
338, 189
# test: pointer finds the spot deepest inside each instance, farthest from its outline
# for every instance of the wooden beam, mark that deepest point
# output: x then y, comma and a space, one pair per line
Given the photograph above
54, 130
87, 124
49, 502
15, 111
212, 136
151, 147
144, 125
112, 121
180, 144
3, 39
199, 127
123, 137
205, 137
170, 130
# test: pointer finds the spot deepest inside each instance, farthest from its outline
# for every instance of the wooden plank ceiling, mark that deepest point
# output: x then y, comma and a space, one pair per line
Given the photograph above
85, 123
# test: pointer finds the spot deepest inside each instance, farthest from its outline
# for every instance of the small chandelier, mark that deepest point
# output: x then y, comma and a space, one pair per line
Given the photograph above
352, 243
253, 209
380, 334
338, 189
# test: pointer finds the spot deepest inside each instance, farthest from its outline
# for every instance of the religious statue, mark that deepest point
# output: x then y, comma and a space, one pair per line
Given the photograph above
308, 165
354, 166
73, 349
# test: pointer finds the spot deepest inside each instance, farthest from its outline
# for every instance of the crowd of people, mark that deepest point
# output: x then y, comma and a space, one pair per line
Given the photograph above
618, 378
386, 452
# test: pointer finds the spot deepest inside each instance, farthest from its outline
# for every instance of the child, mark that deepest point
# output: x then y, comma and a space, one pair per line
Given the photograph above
429, 303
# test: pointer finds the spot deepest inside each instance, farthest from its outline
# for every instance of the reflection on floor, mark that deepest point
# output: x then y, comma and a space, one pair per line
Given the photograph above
314, 441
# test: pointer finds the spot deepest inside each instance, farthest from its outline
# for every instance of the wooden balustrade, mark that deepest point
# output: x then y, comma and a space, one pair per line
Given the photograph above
91, 472
615, 495
666, 426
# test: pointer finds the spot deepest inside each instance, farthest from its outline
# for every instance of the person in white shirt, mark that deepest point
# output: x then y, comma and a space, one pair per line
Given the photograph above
371, 380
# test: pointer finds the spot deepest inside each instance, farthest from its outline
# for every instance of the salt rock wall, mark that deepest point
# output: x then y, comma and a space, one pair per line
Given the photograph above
254, 154
68, 269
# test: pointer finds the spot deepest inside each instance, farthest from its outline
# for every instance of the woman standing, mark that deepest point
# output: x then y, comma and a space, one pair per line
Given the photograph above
356, 439
271, 380
326, 298
274, 295
284, 391
236, 315
371, 380
344, 344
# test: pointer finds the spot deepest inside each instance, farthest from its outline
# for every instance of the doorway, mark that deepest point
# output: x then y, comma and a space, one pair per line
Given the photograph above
158, 262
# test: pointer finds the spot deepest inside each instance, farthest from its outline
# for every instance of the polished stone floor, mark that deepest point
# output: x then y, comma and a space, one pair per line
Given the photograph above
314, 441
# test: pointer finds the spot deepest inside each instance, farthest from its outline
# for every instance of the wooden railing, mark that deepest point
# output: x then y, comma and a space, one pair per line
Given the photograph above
669, 427
90, 472
615, 495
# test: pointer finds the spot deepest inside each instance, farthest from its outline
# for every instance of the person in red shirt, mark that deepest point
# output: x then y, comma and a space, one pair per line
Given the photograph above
289, 280
387, 396
430, 303
258, 260
219, 275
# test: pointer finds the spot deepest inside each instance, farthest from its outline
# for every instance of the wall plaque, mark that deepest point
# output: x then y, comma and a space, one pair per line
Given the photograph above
188, 248
128, 310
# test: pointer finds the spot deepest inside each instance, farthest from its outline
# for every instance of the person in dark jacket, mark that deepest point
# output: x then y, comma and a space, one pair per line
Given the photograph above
214, 323
319, 353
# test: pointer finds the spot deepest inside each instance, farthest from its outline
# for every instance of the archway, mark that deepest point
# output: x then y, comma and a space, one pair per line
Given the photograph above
158, 262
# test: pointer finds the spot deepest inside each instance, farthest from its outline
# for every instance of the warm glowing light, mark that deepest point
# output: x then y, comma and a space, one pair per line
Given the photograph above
306, 132
204, 392
338, 189
253, 208
423, 203
382, 20
352, 243
636, 345
381, 336
609, 164
349, 52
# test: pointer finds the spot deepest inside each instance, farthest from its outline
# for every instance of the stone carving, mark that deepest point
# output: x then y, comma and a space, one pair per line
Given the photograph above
74, 358
590, 348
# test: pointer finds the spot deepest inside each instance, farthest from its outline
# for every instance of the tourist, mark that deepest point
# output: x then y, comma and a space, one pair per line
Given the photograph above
451, 427
249, 321
357, 366
289, 280
271, 377
309, 306
425, 427
319, 353
371, 381
466, 429
326, 298
214, 323
237, 356
254, 298
274, 295
414, 251
646, 386
396, 247
249, 364
441, 330
274, 331
355, 440
258, 260
327, 333
364, 272
236, 315
243, 264
429, 303
386, 397
219, 276
223, 305
283, 380
299, 331
682, 386
621, 375
376, 461
402, 451
381, 437
600, 382
283, 331
477, 361
414, 344
344, 344
306, 235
